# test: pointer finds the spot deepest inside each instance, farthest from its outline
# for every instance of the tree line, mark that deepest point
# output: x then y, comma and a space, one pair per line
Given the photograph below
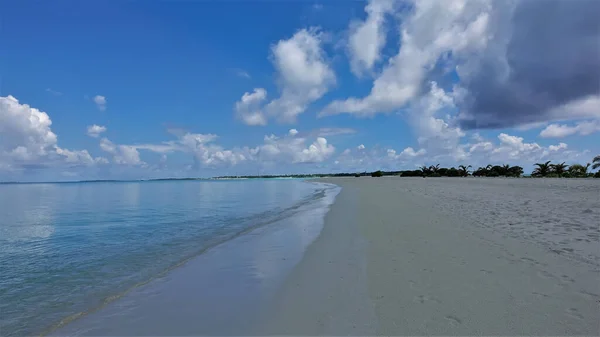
546, 169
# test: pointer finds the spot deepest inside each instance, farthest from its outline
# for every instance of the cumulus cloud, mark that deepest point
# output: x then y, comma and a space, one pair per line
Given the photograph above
25, 127
27, 139
433, 29
407, 153
95, 130
201, 146
303, 74
100, 102
518, 62
376, 158
562, 130
544, 65
122, 154
515, 150
367, 38
249, 107
361, 147
294, 149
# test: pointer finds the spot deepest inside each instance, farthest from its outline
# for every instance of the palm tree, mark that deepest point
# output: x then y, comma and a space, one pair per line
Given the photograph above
596, 162
434, 168
425, 170
559, 169
578, 170
464, 170
542, 169
515, 171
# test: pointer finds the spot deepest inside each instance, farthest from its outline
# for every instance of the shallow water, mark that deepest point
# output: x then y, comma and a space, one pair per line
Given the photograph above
68, 249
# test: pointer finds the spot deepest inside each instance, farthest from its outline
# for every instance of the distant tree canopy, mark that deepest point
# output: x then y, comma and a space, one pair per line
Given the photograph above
377, 174
499, 171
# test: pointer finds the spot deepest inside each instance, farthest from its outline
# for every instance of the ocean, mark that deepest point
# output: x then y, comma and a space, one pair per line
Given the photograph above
106, 258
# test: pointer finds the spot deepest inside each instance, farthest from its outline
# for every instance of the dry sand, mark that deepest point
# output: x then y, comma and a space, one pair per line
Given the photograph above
403, 256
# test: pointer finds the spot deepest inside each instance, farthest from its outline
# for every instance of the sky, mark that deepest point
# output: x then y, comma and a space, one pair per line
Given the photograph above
155, 89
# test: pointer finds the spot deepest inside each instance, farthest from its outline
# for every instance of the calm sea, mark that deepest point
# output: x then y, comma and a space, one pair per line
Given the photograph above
66, 249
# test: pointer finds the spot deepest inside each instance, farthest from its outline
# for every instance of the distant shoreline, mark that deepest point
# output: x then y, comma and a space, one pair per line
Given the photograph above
294, 176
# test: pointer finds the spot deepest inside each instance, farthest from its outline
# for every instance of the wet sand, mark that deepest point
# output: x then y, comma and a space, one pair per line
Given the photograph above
411, 256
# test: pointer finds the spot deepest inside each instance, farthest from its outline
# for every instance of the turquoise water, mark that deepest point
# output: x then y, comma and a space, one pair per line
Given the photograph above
66, 249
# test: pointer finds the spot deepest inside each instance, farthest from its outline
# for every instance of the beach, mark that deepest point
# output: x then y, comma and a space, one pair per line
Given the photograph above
338, 256
413, 256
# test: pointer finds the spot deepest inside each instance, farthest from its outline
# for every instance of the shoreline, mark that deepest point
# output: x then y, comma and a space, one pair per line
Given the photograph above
390, 261
215, 290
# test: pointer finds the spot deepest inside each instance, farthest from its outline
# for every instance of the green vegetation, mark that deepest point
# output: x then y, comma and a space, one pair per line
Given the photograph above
596, 162
377, 174
578, 171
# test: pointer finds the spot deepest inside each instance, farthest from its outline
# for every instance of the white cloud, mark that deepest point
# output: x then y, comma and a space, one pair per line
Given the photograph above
406, 154
435, 28
208, 154
249, 108
507, 149
293, 149
54, 92
361, 147
122, 154
429, 116
410, 152
561, 130
326, 132
317, 152
27, 139
514, 150
200, 146
25, 127
560, 146
376, 158
95, 130
100, 102
242, 73
303, 75
81, 157
367, 38
490, 45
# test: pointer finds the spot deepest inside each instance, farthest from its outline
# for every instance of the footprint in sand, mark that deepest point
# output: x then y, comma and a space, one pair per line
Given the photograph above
573, 313
589, 295
540, 294
453, 320
424, 298
567, 279
545, 274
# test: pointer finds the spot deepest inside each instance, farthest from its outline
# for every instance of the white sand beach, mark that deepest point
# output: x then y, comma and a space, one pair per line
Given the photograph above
404, 256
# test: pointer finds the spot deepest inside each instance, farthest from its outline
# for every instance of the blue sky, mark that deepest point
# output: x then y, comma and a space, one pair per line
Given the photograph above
115, 89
